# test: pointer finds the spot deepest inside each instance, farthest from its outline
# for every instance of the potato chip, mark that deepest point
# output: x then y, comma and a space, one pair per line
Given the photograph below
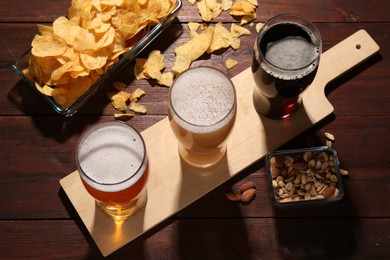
192, 1
124, 116
138, 108
258, 26
244, 8
192, 50
222, 38
226, 4
119, 99
230, 63
237, 30
193, 27
137, 94
166, 79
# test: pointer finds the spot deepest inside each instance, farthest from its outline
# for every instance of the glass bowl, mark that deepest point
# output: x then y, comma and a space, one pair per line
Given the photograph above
304, 177
22, 62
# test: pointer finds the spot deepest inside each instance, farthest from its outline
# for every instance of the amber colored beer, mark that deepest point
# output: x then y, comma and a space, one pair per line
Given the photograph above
112, 162
202, 111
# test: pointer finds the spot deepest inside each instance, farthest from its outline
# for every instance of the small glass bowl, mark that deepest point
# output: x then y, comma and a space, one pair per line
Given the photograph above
22, 62
304, 177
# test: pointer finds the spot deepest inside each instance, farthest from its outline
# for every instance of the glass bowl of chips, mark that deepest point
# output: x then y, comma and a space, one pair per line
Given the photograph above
120, 37
304, 177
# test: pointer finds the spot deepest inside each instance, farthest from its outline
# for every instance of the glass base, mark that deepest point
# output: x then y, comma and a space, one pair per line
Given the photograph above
121, 211
202, 160
276, 108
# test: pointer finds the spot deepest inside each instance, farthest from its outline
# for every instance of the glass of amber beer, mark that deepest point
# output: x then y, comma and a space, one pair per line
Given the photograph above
113, 165
202, 111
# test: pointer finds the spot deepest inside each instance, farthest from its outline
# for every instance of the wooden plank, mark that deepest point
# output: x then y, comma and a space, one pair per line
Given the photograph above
173, 185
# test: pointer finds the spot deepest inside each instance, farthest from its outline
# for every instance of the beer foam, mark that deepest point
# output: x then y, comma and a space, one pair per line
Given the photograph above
111, 156
203, 99
293, 56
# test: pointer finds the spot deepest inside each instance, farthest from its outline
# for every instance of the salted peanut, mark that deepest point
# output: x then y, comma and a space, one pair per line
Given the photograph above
328, 143
333, 178
288, 160
329, 136
303, 178
307, 156
301, 166
343, 172
247, 185
233, 196
274, 183
336, 193
288, 186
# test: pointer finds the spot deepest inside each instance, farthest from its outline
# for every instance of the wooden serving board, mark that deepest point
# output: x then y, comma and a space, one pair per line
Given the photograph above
173, 185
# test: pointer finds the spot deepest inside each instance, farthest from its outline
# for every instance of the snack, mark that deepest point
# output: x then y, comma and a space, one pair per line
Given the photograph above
304, 176
208, 40
121, 98
244, 8
230, 63
68, 57
151, 68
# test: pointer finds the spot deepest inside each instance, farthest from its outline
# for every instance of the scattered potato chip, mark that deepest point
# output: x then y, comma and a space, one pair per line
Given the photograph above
137, 94
151, 68
244, 8
119, 99
166, 79
124, 116
258, 26
230, 63
226, 4
76, 50
237, 30
222, 38
138, 108
192, 1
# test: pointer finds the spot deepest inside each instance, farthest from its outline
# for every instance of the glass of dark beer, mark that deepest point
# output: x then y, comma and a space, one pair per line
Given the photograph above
285, 61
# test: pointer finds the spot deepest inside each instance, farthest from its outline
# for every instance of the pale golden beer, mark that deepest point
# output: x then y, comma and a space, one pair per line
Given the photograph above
112, 162
202, 111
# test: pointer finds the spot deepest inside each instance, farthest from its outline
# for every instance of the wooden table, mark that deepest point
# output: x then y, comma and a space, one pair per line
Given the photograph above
37, 220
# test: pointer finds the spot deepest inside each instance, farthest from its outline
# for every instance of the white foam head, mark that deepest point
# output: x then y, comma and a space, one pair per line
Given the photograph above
111, 156
203, 100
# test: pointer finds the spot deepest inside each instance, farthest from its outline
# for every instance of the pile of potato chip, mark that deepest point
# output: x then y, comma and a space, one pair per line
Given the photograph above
68, 57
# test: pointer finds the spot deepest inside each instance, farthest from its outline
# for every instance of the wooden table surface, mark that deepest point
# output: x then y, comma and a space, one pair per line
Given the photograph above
37, 220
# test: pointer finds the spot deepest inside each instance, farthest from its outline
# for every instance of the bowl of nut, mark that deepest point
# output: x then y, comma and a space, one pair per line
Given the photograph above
308, 176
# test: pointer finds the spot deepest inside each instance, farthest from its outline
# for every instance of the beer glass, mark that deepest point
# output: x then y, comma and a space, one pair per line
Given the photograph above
285, 60
113, 165
202, 111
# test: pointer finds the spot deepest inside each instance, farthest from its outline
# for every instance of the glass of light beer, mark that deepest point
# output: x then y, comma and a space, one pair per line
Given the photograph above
113, 165
285, 60
202, 111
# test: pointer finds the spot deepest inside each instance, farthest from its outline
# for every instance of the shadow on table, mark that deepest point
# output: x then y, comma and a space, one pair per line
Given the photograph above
204, 231
322, 232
